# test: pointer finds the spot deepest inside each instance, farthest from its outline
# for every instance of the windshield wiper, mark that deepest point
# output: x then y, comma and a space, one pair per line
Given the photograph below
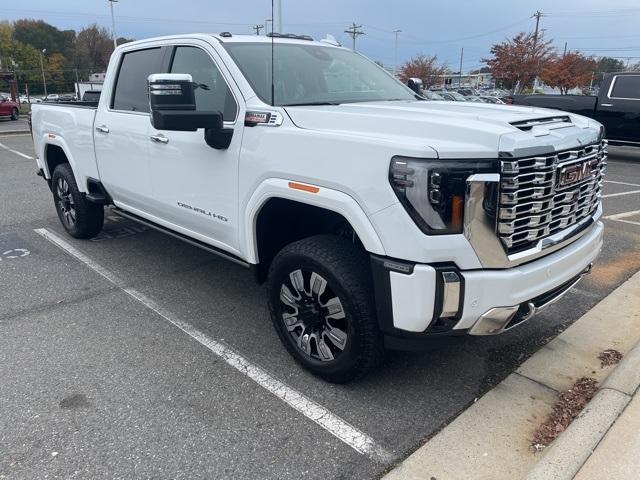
308, 103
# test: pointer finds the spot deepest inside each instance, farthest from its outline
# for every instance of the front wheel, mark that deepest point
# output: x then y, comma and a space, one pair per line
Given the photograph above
79, 217
15, 114
322, 307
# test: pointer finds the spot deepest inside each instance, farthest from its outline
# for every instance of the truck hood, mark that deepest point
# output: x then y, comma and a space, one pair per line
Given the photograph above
452, 129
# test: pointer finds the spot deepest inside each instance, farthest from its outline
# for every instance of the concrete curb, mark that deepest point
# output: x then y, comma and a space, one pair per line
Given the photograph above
570, 451
491, 440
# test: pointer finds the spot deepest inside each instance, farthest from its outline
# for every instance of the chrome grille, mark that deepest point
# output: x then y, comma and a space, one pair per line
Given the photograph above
535, 202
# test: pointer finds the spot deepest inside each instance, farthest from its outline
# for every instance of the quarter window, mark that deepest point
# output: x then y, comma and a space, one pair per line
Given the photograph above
212, 92
131, 86
627, 86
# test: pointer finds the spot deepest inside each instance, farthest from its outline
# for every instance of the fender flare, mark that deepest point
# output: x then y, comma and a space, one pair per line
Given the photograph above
327, 198
58, 141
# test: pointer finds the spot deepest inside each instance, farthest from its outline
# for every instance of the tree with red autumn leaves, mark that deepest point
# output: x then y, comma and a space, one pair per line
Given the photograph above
519, 60
425, 68
568, 71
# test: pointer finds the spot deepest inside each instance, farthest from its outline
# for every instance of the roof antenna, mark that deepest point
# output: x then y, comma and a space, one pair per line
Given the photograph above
273, 95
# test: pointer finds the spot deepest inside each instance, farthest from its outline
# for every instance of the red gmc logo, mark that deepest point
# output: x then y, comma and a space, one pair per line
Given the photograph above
575, 172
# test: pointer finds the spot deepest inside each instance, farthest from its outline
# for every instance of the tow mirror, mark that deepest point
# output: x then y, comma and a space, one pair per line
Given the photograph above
172, 105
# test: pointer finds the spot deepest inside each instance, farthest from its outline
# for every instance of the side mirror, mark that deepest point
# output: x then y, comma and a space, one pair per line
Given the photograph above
173, 105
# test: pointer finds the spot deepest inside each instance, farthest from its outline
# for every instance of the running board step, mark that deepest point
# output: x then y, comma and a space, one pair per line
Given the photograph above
197, 243
98, 198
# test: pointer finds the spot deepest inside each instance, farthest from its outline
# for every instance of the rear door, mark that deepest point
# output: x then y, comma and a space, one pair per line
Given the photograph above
121, 130
620, 110
195, 187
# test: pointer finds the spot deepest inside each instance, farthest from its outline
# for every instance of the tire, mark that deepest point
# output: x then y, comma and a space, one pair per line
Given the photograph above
15, 114
343, 342
79, 217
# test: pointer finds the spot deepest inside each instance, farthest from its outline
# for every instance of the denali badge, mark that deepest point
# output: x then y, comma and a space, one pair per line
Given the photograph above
575, 173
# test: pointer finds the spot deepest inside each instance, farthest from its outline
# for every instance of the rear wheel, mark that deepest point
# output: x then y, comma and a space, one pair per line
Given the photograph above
79, 217
15, 114
321, 302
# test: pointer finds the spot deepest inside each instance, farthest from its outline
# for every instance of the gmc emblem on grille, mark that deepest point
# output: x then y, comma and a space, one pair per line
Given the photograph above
575, 173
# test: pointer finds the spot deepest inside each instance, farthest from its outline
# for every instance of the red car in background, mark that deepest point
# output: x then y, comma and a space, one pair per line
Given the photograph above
9, 108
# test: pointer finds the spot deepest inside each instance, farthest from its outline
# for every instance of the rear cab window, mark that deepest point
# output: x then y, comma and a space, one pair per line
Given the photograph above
130, 92
626, 87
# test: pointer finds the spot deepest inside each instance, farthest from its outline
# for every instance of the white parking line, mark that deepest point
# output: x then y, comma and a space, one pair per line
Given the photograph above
623, 183
619, 194
23, 155
619, 217
338, 427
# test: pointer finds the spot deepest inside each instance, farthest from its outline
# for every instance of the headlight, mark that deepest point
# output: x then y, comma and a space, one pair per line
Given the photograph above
433, 191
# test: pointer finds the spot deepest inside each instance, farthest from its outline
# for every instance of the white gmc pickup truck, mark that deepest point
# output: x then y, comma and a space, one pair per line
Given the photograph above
377, 219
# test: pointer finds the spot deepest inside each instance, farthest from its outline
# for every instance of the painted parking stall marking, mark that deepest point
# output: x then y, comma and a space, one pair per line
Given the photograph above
23, 155
14, 253
622, 217
335, 425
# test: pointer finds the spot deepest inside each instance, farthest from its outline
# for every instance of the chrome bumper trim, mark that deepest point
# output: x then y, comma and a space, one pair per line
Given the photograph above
500, 319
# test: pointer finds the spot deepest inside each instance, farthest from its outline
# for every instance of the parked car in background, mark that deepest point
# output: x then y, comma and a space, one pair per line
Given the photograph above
474, 98
9, 108
52, 97
467, 91
489, 99
451, 95
429, 95
617, 106
67, 97
91, 96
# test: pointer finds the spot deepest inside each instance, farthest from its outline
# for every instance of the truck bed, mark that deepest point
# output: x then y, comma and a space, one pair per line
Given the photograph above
69, 126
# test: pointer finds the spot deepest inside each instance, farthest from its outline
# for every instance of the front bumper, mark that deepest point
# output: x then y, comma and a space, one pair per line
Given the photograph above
409, 296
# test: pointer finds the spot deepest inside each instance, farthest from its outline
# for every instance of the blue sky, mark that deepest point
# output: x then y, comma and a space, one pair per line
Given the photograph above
595, 27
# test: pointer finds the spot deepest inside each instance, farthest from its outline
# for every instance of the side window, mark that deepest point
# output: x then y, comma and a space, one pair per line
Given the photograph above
131, 86
212, 92
627, 86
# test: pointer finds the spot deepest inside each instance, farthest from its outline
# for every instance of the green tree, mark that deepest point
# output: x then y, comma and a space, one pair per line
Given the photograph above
41, 35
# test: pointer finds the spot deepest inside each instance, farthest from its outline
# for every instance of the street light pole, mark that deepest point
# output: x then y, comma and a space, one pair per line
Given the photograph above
44, 80
266, 26
113, 24
395, 58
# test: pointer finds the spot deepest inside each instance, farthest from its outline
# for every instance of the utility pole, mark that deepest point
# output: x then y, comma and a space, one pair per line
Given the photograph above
44, 80
354, 32
395, 58
460, 72
565, 50
113, 23
257, 28
537, 16
279, 17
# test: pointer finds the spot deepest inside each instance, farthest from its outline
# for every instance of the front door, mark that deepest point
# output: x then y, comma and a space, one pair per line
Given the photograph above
195, 187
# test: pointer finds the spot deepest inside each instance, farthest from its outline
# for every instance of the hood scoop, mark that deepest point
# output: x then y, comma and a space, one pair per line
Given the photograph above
526, 125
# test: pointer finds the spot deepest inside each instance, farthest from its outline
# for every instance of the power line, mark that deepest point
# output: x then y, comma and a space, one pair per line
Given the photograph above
354, 32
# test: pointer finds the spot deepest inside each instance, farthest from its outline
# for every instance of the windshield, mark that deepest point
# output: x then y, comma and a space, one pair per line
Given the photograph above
313, 74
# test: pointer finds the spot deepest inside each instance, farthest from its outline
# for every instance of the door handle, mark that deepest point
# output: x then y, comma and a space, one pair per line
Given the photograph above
102, 129
606, 104
159, 138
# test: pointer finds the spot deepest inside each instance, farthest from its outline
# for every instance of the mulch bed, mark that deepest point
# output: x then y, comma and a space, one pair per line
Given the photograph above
609, 357
564, 411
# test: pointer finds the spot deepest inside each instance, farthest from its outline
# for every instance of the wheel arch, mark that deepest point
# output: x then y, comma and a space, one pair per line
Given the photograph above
54, 153
278, 214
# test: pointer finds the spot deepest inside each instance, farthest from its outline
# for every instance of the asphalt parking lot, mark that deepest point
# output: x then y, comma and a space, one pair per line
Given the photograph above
95, 383
7, 125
